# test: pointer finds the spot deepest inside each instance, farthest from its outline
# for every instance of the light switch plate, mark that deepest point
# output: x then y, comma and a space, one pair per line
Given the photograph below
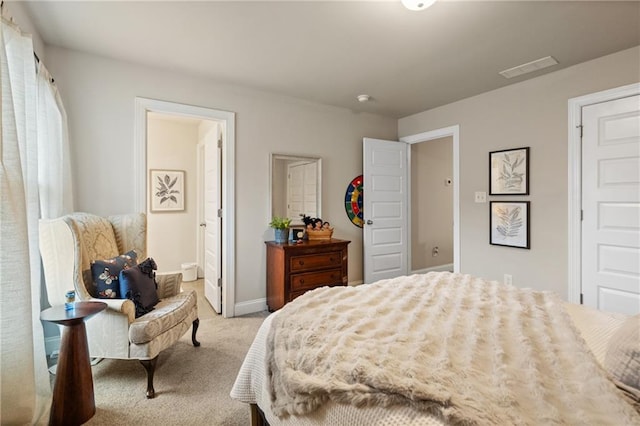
481, 197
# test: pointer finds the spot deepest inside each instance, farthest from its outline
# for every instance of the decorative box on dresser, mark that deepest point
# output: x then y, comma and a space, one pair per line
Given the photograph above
293, 269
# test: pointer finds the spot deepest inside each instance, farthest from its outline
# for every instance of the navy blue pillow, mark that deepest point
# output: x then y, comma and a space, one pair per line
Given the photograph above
138, 283
106, 272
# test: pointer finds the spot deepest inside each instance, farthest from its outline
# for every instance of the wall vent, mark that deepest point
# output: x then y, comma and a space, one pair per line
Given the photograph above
532, 66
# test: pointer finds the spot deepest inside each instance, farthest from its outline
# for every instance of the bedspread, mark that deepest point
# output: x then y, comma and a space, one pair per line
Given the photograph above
461, 348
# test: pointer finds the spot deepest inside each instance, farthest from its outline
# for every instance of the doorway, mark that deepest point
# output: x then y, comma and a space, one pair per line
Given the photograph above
225, 122
431, 201
387, 210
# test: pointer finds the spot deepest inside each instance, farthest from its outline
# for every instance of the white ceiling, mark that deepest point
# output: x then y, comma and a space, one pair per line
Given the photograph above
330, 52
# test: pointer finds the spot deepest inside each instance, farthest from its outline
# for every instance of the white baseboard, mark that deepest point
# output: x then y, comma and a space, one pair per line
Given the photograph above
439, 268
250, 306
51, 344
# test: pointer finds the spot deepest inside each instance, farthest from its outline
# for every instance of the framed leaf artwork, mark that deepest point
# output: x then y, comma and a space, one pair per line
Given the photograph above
509, 172
166, 188
510, 224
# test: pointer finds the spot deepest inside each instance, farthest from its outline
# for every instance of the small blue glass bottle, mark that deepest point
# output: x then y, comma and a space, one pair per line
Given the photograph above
70, 298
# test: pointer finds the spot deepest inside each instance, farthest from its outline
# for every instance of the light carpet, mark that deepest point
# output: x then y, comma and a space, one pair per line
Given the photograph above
192, 384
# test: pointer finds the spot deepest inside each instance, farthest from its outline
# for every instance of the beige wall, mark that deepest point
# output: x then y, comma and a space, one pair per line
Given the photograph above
172, 236
15, 10
533, 113
99, 97
431, 203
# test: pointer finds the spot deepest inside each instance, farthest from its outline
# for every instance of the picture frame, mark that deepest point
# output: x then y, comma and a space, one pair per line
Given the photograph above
166, 190
509, 172
510, 224
297, 233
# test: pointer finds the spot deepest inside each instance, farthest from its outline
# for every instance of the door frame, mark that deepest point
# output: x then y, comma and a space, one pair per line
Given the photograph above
574, 267
145, 105
454, 132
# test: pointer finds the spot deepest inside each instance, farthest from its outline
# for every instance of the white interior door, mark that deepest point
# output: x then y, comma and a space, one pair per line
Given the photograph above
611, 205
310, 188
212, 224
295, 190
385, 187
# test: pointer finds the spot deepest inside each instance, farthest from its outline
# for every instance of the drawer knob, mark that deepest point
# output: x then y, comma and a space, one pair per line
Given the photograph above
331, 259
301, 262
301, 281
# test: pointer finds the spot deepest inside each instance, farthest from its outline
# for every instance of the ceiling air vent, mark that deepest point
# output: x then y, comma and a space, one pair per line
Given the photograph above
532, 66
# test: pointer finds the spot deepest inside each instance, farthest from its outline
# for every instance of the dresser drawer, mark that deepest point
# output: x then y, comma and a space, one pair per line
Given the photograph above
315, 261
311, 280
294, 294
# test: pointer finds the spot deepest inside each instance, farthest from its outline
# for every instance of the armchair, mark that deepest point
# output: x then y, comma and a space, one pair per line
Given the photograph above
69, 244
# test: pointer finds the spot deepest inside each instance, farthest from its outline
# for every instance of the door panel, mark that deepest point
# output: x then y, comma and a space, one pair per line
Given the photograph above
301, 190
385, 188
212, 235
611, 205
295, 191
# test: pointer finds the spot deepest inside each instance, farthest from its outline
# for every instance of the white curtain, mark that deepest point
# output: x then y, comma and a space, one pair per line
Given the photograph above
54, 165
24, 379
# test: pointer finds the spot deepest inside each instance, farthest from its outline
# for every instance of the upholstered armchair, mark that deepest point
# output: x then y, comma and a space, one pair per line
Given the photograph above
69, 244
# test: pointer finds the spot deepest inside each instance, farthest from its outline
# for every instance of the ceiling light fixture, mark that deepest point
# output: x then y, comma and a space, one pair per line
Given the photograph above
363, 98
417, 4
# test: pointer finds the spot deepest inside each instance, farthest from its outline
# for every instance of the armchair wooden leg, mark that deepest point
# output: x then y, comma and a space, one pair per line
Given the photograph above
194, 330
150, 366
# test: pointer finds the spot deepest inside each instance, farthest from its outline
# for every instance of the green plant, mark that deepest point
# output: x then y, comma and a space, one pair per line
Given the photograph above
280, 222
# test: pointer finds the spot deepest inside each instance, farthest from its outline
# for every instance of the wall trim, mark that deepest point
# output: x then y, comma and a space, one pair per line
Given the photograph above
251, 306
142, 107
439, 268
574, 267
51, 344
454, 132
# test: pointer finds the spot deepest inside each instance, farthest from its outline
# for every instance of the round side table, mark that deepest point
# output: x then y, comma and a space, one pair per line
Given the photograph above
73, 402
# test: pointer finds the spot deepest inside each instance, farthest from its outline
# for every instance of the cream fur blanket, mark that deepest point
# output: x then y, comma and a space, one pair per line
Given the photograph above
467, 350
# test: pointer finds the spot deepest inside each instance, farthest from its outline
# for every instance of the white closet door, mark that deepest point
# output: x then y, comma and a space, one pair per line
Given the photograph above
611, 205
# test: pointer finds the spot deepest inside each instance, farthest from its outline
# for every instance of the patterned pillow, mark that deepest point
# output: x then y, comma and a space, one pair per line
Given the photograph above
622, 360
139, 284
106, 274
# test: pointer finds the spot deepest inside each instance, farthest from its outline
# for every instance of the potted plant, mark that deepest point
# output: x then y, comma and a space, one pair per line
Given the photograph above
281, 226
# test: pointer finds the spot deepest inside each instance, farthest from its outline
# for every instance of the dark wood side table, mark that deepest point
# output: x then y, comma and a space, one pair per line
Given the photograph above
73, 401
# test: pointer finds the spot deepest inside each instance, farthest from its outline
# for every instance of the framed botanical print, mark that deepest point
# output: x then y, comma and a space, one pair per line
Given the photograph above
166, 189
510, 224
509, 172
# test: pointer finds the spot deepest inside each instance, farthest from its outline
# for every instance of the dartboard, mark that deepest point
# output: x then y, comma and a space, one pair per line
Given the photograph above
353, 201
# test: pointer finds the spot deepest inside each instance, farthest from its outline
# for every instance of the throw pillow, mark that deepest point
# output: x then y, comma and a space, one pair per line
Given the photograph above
622, 360
105, 274
139, 284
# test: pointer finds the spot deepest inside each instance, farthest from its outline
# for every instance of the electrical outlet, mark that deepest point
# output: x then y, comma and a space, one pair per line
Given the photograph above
481, 197
508, 279
435, 251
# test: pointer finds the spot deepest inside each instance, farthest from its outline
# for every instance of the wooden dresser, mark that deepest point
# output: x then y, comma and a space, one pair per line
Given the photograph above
293, 269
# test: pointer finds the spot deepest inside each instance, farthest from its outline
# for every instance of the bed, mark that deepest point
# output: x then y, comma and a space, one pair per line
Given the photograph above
440, 349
